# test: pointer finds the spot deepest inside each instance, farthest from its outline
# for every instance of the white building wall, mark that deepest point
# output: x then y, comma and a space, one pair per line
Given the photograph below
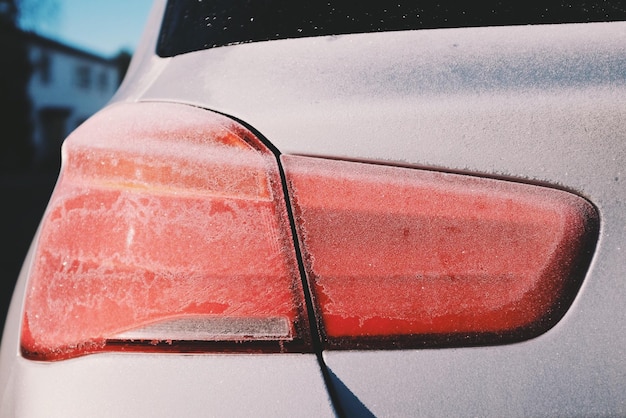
66, 82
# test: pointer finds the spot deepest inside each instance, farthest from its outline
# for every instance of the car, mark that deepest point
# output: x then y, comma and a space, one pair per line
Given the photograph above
339, 209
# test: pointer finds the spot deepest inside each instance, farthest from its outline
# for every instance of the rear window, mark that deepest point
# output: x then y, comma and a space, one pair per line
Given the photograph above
192, 25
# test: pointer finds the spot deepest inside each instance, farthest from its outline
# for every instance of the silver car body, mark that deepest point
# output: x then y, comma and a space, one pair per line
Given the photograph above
540, 104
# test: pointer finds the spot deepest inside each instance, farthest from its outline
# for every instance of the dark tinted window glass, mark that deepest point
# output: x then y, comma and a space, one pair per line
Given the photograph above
191, 25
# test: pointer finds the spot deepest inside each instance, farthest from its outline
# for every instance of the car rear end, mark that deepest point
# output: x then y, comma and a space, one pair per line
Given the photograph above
376, 221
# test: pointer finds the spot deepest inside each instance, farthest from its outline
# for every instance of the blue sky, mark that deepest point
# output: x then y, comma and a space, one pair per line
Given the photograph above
100, 26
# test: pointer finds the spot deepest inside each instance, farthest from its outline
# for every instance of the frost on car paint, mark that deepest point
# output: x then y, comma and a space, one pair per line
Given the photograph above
164, 217
398, 252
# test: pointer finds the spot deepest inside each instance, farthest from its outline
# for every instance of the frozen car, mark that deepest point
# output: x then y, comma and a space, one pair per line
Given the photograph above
339, 208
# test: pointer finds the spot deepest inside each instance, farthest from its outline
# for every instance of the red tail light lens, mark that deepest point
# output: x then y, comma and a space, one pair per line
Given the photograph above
400, 257
167, 228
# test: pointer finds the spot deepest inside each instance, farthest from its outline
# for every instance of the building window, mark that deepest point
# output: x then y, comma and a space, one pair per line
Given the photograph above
45, 68
103, 81
83, 76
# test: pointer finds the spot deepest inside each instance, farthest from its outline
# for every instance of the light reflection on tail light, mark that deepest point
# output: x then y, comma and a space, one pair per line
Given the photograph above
398, 257
167, 228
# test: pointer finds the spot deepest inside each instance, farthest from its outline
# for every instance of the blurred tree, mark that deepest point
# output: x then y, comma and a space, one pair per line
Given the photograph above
37, 14
8, 11
15, 69
16, 149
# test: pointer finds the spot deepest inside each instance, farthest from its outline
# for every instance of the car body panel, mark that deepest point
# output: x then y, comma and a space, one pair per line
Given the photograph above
166, 385
541, 104
434, 93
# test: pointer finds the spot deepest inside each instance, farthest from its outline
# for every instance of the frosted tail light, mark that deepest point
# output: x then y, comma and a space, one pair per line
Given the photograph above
167, 228
399, 257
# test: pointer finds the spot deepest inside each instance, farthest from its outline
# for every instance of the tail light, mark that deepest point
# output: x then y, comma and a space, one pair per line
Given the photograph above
168, 231
398, 257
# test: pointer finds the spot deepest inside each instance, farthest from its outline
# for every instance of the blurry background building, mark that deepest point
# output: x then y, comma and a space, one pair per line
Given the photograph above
66, 86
